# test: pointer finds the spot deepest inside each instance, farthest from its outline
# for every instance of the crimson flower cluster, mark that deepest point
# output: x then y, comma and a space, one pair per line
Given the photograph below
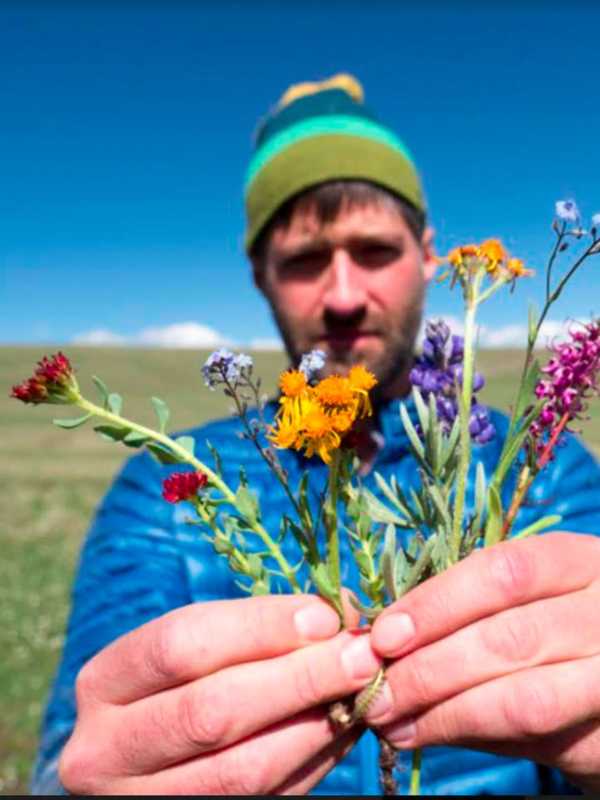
183, 486
571, 378
52, 382
438, 371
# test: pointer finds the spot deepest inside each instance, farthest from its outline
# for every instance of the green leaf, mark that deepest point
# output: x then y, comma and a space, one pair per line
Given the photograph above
187, 442
115, 403
162, 412
400, 569
246, 504
135, 439
162, 455
255, 566
324, 584
216, 458
388, 563
380, 512
369, 612
539, 525
422, 409
102, 390
493, 528
412, 434
532, 320
114, 433
363, 562
72, 423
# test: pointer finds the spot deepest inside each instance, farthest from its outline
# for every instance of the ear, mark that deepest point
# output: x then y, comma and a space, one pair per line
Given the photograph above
430, 259
258, 275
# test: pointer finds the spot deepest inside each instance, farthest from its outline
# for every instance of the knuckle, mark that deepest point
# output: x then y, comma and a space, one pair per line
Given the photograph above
245, 771
532, 708
511, 637
203, 717
419, 682
162, 654
307, 683
76, 766
86, 683
510, 571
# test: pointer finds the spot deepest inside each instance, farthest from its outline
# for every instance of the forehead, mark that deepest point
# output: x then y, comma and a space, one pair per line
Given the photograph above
352, 221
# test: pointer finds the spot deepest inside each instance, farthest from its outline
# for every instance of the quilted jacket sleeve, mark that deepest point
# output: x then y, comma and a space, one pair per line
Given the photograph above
130, 571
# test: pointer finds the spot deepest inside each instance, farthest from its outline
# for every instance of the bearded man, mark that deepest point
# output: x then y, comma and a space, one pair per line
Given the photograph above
172, 682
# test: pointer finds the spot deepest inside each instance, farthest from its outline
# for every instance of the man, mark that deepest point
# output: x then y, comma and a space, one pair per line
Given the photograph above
167, 687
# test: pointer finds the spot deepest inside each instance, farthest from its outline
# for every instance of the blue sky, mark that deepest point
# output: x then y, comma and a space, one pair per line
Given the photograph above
126, 129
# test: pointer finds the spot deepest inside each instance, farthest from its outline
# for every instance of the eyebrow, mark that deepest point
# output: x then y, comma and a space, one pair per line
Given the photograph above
317, 244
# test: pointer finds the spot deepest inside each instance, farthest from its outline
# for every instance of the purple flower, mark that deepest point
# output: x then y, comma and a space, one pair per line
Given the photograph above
439, 371
570, 378
311, 363
223, 366
567, 210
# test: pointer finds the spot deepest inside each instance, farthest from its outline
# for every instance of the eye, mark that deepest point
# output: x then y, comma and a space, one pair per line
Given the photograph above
305, 264
376, 254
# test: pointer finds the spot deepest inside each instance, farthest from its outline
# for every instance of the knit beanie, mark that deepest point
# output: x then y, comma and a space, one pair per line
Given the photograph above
322, 132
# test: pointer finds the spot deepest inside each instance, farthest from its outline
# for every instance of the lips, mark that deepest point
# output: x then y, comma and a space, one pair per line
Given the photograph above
346, 338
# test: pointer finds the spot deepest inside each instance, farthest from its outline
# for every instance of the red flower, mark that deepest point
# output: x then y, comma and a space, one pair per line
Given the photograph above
183, 486
51, 382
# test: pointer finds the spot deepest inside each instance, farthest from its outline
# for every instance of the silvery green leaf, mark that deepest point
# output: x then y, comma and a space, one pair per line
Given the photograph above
135, 439
395, 497
416, 443
246, 504
102, 390
421, 564
255, 565
380, 512
187, 442
388, 562
163, 455
493, 528
441, 505
480, 496
546, 522
369, 612
324, 584
400, 569
162, 412
422, 410
115, 433
363, 562
115, 403
72, 423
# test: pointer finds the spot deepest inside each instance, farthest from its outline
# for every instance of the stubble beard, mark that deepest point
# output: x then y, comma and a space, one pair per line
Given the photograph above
390, 367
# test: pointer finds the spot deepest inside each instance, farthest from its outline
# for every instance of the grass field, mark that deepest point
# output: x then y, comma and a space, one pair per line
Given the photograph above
51, 482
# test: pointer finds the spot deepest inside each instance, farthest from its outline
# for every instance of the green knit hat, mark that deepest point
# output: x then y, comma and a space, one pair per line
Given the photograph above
322, 132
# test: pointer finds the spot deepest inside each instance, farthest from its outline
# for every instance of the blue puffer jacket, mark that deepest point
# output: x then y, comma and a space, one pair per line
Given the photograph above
140, 560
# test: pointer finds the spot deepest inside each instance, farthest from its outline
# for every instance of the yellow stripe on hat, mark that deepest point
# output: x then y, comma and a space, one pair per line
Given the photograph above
348, 83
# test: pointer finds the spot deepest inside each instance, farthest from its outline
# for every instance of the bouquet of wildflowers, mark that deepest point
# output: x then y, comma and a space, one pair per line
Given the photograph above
322, 418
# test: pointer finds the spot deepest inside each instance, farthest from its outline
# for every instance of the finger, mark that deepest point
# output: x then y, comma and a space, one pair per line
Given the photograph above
230, 705
489, 580
253, 767
506, 642
309, 775
523, 707
200, 639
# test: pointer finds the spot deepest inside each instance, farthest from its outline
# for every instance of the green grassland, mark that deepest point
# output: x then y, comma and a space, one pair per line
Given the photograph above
51, 482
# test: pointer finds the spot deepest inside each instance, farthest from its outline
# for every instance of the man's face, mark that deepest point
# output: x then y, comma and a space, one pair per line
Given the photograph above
353, 288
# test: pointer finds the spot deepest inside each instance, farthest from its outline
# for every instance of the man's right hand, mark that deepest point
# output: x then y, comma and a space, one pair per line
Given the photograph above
225, 697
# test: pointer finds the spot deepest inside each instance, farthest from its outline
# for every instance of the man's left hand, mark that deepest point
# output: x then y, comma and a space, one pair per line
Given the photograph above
500, 653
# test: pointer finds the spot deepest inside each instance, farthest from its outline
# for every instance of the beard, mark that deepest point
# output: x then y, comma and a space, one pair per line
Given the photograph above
390, 363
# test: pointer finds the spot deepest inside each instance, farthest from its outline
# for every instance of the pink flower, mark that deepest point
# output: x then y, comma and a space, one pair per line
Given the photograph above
572, 375
183, 486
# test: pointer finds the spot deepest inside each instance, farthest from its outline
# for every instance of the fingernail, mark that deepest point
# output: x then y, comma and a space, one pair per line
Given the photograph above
401, 733
392, 633
359, 660
316, 621
381, 704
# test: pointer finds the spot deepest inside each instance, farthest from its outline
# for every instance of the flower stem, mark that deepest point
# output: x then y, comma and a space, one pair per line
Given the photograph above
415, 773
331, 528
464, 414
213, 479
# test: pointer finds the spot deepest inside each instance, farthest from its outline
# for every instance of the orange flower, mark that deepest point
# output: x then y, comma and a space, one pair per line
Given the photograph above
334, 392
361, 379
293, 383
517, 268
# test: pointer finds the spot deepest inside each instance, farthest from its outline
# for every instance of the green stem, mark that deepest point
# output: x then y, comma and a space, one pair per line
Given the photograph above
213, 479
464, 414
331, 527
415, 773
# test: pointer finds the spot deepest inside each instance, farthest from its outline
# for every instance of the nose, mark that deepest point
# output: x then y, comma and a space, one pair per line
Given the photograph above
345, 294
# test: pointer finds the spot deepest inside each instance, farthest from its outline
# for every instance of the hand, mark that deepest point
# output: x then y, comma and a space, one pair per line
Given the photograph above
217, 698
500, 653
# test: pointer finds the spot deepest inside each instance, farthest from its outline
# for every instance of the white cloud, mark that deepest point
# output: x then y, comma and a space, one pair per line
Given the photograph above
181, 335
99, 337
514, 335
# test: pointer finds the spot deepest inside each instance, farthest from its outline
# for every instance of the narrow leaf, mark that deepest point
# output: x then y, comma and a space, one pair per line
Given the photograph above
412, 434
102, 390
162, 455
493, 528
135, 439
115, 403
380, 512
112, 432
72, 423
388, 563
162, 412
369, 612
422, 410
539, 525
187, 442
